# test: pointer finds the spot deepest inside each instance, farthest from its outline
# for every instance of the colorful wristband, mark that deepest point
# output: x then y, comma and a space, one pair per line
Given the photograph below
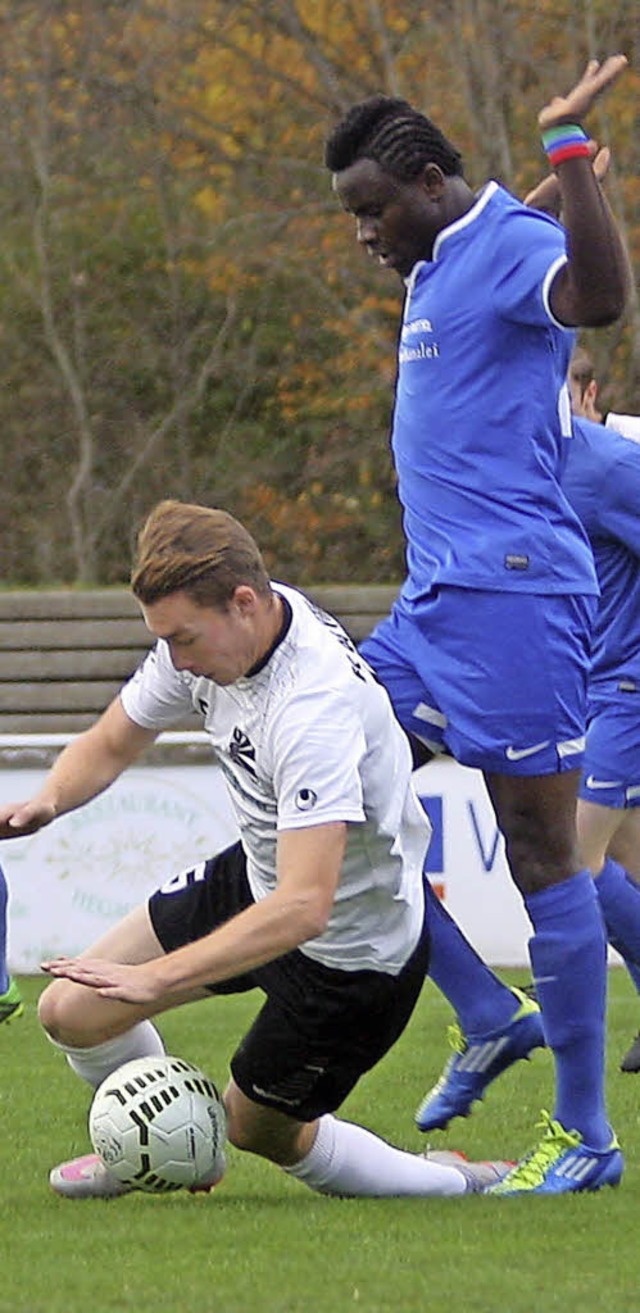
565, 142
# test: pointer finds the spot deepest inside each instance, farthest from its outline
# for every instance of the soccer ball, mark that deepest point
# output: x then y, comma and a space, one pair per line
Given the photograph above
159, 1124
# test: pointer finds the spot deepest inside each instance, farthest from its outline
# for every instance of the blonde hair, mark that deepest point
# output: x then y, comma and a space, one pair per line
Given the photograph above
198, 550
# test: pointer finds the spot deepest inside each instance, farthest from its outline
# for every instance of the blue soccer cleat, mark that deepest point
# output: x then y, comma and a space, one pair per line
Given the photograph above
11, 1005
562, 1164
476, 1063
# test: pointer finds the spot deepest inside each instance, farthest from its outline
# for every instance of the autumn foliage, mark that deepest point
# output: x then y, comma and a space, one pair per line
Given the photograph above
184, 310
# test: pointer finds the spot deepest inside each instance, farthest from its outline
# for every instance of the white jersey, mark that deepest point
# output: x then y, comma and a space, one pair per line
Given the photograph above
311, 738
627, 425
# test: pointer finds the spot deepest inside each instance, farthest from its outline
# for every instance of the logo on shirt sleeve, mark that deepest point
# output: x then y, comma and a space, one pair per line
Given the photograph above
306, 799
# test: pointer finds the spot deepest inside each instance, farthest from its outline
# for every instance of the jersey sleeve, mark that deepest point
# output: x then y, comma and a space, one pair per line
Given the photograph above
156, 696
318, 745
529, 254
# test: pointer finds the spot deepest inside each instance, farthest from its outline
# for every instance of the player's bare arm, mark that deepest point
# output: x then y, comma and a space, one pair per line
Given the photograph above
84, 769
309, 864
546, 194
592, 288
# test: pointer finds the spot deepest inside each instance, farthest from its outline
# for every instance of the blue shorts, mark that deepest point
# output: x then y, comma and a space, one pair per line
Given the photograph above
611, 765
499, 680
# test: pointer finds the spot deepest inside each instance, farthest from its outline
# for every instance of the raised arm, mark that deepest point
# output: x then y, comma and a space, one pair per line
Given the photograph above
546, 196
591, 289
86, 767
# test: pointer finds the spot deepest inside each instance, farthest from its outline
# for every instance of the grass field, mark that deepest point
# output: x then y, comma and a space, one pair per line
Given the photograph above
262, 1242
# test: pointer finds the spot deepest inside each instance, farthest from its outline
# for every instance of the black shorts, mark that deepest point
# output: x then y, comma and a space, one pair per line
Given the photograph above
320, 1029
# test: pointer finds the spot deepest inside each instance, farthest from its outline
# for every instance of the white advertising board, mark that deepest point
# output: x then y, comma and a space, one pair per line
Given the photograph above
80, 875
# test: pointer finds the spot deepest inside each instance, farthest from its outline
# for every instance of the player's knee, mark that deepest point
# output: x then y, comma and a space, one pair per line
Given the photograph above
256, 1129
539, 855
241, 1136
63, 1016
243, 1128
244, 1134
47, 1010
237, 1122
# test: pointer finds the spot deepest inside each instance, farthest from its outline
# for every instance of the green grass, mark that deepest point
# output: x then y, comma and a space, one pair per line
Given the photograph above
263, 1242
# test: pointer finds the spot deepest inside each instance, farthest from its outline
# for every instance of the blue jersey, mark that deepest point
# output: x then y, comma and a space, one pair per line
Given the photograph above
481, 409
602, 481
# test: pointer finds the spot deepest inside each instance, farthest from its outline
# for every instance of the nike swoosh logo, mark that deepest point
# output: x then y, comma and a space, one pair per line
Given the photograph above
592, 783
516, 754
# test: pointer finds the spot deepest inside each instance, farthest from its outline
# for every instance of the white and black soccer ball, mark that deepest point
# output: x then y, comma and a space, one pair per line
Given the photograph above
159, 1124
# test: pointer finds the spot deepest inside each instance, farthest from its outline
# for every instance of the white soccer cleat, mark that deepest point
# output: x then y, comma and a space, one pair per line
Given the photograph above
479, 1176
86, 1178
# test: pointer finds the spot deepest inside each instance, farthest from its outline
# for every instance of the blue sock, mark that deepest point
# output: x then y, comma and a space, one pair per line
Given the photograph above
619, 898
569, 960
4, 898
482, 1002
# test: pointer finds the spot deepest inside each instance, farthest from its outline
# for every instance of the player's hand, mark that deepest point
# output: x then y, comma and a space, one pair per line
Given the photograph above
129, 984
546, 195
572, 108
20, 818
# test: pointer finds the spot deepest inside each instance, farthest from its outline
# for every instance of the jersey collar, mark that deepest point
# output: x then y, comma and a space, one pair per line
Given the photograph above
465, 219
457, 226
287, 616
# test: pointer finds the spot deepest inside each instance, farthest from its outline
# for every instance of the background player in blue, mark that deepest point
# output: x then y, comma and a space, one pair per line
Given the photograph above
602, 481
10, 998
486, 651
585, 399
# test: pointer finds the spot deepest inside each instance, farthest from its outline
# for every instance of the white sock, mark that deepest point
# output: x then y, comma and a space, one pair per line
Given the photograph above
95, 1064
346, 1159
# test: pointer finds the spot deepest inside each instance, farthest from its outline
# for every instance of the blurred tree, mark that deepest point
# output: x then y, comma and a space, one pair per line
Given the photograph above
183, 308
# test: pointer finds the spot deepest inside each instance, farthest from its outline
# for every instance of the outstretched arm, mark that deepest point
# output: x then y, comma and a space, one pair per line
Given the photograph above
85, 768
298, 909
591, 289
